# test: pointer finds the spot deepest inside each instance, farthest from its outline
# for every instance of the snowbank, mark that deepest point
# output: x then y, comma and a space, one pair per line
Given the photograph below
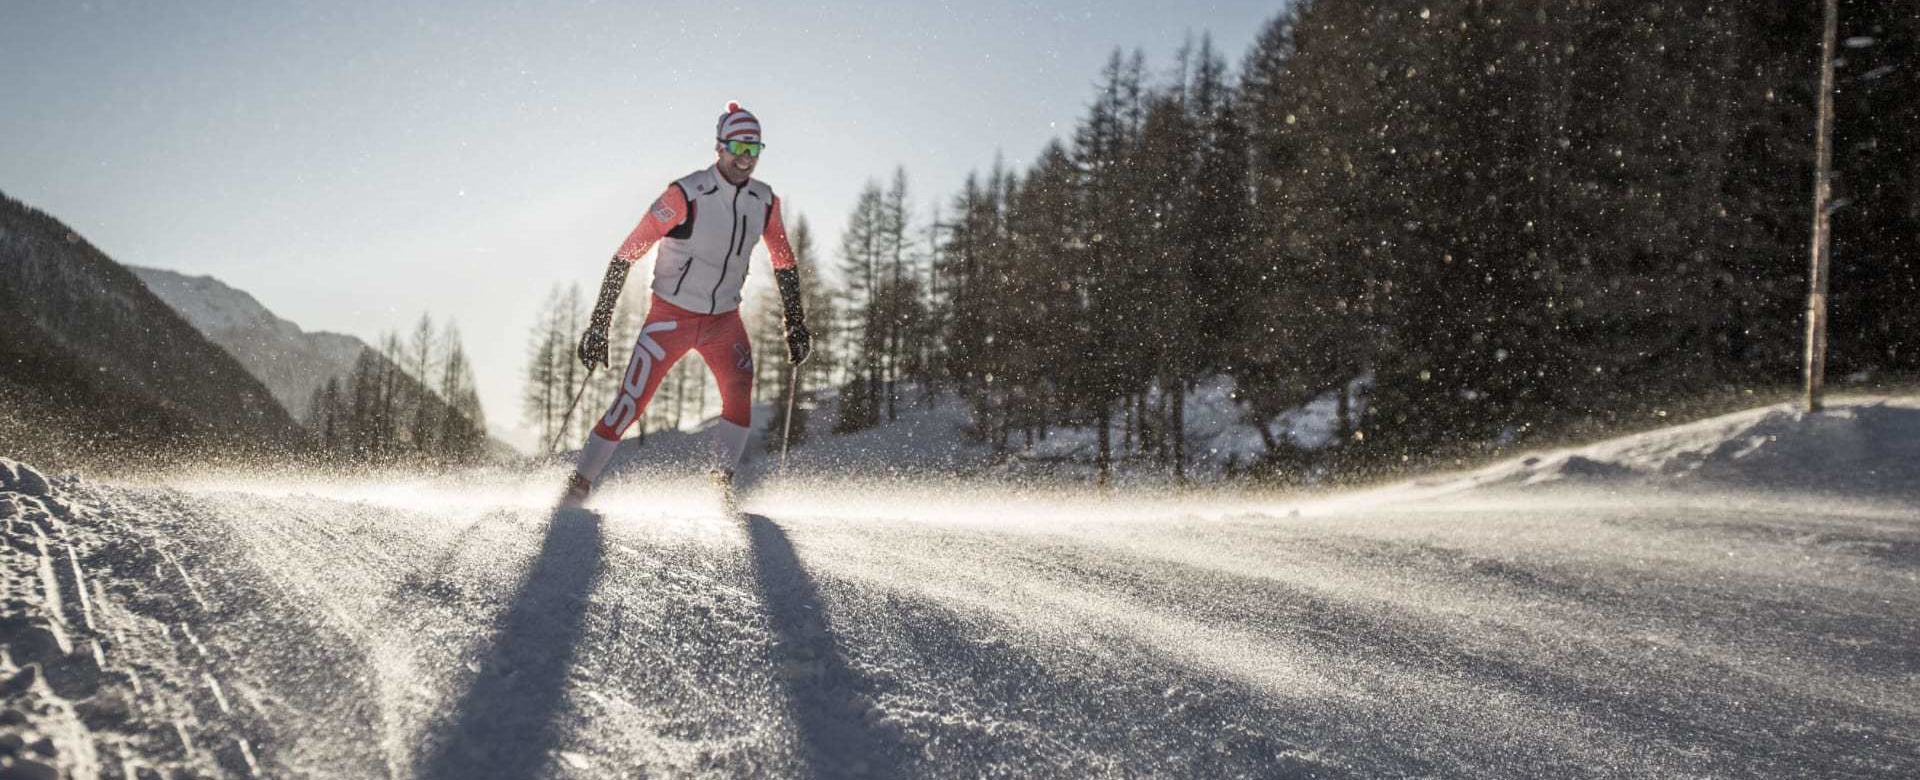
1862, 448
113, 656
1868, 448
936, 438
50, 669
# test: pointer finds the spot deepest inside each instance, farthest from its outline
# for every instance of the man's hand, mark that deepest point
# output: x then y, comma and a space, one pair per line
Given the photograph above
799, 343
593, 343
593, 347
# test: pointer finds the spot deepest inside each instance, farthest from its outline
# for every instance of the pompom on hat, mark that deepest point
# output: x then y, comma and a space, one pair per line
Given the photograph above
737, 124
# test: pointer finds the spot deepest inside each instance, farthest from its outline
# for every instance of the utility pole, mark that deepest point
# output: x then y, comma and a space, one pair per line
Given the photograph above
1816, 366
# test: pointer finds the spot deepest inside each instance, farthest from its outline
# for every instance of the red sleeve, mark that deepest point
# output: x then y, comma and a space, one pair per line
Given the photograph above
776, 238
666, 213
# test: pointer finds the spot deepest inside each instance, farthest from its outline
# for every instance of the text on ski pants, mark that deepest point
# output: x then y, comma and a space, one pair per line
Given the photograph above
669, 333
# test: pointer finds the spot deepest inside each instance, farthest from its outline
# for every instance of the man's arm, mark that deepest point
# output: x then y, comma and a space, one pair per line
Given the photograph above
786, 273
776, 237
666, 213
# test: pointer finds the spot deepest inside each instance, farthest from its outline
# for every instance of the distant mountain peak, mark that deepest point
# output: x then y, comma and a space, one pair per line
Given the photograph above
95, 366
213, 303
292, 362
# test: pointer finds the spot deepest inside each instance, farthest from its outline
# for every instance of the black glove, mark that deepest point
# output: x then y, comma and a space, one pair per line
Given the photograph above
593, 347
799, 343
799, 339
593, 343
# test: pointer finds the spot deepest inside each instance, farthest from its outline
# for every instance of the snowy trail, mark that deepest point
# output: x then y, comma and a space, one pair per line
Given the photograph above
451, 630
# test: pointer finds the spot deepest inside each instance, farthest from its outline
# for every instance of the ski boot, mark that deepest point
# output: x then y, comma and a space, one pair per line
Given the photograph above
723, 481
578, 489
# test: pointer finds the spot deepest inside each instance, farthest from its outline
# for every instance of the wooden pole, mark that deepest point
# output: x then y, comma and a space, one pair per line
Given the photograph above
1816, 365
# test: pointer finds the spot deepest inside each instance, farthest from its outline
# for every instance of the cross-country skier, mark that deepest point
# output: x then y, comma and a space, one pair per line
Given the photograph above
706, 224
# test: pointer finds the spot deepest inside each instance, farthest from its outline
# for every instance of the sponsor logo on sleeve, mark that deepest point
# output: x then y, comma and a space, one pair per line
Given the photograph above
662, 211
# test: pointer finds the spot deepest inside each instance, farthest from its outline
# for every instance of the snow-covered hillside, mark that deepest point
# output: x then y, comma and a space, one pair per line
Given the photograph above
95, 368
1484, 626
935, 437
1859, 448
290, 361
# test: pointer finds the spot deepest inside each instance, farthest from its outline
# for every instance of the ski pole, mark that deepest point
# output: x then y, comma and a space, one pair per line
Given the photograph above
570, 407
786, 436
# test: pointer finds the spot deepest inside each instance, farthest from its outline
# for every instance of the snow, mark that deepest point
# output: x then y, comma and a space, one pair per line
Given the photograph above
1730, 598
1862, 448
933, 438
292, 363
210, 304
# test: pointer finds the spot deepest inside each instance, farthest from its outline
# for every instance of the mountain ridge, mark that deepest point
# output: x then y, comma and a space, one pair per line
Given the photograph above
95, 368
291, 361
294, 363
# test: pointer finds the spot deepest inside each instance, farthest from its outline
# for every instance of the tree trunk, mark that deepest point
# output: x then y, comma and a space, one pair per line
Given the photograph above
700, 401
1140, 423
1180, 431
679, 397
1343, 424
1816, 364
1267, 439
1105, 458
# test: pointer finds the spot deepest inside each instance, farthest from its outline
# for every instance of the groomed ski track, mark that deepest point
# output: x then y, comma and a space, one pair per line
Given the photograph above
461, 628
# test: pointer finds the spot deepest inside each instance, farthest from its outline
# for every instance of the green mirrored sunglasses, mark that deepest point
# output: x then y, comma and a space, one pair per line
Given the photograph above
748, 148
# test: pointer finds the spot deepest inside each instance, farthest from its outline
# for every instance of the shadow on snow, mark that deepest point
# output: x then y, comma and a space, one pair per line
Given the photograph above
826, 694
504, 726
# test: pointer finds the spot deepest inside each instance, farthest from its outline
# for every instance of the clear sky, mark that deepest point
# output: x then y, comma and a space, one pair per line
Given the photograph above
353, 165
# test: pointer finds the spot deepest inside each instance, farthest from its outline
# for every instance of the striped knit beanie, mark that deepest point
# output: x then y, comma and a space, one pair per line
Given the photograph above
737, 124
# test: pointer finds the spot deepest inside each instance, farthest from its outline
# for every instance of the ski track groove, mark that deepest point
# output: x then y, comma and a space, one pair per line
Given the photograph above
1478, 637
1122, 578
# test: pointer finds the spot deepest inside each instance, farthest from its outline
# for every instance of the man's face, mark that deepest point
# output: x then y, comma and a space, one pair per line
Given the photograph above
736, 167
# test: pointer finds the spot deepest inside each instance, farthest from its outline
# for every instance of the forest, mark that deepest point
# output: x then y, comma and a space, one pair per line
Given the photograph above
413, 400
1513, 219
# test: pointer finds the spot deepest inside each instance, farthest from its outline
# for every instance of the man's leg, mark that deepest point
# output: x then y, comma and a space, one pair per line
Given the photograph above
729, 355
661, 344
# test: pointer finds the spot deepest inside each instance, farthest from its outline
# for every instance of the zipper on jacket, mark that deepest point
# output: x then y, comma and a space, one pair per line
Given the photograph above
734, 236
733, 247
683, 273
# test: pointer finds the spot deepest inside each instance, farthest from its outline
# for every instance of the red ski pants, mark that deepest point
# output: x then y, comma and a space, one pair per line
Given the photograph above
669, 332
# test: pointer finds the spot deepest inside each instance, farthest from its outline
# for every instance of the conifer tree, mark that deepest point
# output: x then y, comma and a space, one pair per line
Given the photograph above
862, 264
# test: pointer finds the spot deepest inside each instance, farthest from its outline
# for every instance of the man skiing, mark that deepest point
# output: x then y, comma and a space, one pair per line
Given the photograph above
706, 225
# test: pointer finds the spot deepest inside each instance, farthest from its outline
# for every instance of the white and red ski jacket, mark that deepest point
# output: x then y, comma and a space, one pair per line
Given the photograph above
706, 228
